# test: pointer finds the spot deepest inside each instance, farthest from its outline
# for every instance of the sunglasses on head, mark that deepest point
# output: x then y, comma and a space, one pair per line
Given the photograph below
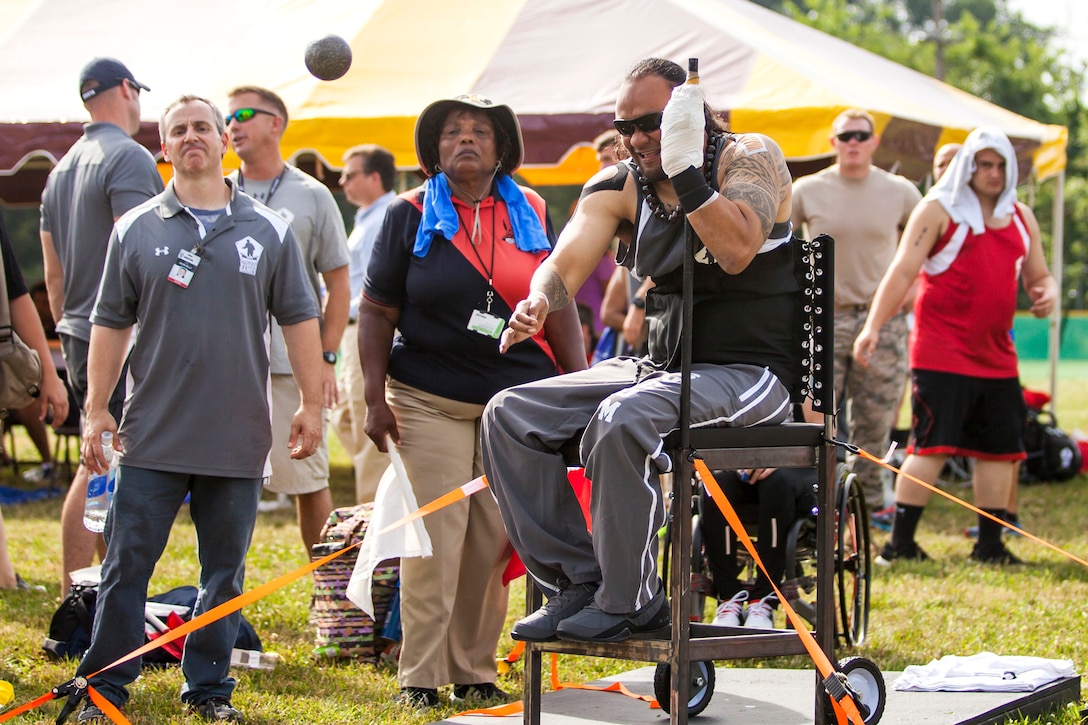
647, 124
859, 136
244, 114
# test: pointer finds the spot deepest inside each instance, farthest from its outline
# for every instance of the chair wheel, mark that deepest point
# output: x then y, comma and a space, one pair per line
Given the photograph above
700, 690
867, 683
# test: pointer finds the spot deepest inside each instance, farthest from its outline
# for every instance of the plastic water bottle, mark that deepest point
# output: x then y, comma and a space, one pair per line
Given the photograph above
253, 659
100, 490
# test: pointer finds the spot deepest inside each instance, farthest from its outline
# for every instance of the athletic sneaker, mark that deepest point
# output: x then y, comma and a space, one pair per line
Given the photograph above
217, 709
760, 613
417, 698
889, 554
541, 625
488, 691
91, 713
730, 613
994, 555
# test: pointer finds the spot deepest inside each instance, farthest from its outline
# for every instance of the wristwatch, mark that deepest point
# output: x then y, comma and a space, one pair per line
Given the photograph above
329, 357
639, 302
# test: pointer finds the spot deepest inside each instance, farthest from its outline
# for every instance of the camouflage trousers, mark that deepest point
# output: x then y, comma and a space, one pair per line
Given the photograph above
870, 394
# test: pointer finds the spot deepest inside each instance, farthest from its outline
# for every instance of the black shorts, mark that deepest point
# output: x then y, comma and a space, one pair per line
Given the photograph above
74, 351
960, 415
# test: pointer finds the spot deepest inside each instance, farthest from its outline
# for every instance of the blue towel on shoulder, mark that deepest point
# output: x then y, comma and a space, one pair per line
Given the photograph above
440, 216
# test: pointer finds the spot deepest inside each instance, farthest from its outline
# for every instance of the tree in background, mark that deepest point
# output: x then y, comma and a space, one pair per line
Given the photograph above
982, 47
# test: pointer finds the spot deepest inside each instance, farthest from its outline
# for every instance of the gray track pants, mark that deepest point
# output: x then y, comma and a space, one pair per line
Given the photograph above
525, 426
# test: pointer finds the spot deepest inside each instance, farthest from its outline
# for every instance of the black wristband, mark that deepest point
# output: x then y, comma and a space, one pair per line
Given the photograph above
691, 188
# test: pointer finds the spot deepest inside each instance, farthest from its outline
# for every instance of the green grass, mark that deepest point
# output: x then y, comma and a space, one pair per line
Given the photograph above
921, 611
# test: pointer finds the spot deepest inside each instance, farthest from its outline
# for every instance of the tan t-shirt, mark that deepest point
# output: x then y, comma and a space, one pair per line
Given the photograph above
864, 216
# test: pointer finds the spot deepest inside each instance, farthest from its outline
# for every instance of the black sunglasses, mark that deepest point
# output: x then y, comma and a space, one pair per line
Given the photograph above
859, 136
647, 124
244, 114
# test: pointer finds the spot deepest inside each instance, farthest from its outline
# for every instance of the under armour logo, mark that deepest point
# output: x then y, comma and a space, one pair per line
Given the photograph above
162, 251
607, 409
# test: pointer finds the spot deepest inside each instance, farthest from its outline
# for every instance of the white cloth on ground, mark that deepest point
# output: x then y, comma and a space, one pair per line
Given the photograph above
984, 672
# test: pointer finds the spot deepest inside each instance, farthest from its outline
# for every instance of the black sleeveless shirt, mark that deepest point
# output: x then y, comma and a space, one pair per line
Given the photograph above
748, 318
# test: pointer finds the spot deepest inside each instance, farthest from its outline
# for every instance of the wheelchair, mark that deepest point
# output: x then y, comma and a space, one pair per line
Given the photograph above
852, 562
684, 678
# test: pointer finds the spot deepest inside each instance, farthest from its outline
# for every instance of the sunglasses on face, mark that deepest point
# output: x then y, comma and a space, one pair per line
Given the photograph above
244, 114
859, 136
647, 124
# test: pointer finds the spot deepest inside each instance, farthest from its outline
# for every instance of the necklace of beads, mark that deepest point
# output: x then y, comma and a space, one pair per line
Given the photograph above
655, 204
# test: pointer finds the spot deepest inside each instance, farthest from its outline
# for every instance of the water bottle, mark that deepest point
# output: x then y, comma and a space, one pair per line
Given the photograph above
253, 659
100, 490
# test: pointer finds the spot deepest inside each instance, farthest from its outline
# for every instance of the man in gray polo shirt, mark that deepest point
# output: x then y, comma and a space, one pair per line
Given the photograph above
257, 118
102, 176
200, 268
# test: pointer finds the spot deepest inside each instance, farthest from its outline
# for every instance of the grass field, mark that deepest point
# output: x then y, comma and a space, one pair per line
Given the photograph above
921, 611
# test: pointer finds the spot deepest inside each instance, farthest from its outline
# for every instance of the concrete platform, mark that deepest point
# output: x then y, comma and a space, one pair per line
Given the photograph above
784, 697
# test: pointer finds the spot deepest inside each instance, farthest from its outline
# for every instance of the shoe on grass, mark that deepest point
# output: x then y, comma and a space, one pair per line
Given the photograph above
541, 625
593, 624
217, 709
994, 555
760, 613
417, 698
730, 613
91, 713
481, 691
911, 553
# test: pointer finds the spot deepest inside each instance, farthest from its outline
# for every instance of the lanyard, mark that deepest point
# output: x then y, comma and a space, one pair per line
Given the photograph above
271, 190
474, 238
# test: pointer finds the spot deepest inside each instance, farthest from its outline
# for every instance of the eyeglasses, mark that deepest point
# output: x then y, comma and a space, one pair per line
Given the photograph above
647, 124
348, 176
859, 136
244, 114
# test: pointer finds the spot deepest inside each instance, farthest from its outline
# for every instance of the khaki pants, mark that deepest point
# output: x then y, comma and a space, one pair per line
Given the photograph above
349, 416
453, 605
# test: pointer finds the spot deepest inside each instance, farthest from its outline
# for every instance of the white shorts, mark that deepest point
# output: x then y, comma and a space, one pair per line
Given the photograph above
288, 475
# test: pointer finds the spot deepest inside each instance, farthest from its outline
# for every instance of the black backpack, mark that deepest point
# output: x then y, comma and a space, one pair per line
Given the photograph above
1052, 454
70, 628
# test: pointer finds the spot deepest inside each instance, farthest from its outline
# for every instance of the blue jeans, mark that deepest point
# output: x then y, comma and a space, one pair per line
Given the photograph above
145, 505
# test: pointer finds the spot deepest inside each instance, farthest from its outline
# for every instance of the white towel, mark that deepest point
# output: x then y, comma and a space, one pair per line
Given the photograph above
953, 189
984, 672
393, 501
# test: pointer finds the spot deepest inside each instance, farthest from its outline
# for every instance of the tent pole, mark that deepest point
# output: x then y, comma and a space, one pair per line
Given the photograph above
1056, 262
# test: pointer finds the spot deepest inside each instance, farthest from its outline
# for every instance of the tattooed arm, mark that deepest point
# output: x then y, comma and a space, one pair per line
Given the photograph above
756, 192
927, 223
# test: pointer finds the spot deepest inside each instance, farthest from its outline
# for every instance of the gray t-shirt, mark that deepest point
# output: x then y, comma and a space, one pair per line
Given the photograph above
102, 176
309, 207
200, 397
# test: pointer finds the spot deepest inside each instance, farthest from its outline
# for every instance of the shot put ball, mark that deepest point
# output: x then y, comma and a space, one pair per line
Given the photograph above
328, 58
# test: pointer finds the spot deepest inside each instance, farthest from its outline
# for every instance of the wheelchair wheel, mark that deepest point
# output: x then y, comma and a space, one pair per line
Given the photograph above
799, 582
853, 565
867, 684
700, 690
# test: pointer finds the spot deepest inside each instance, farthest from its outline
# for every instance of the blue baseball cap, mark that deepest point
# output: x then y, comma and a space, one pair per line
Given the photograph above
108, 73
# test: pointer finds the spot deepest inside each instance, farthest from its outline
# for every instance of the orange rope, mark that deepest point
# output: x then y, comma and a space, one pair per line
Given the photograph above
869, 456
819, 657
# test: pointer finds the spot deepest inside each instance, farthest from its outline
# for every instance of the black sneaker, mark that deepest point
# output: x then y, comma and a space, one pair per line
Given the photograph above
541, 625
91, 713
479, 691
994, 555
911, 553
217, 709
417, 698
593, 624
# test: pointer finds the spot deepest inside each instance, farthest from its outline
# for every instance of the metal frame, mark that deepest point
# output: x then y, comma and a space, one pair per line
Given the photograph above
783, 446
